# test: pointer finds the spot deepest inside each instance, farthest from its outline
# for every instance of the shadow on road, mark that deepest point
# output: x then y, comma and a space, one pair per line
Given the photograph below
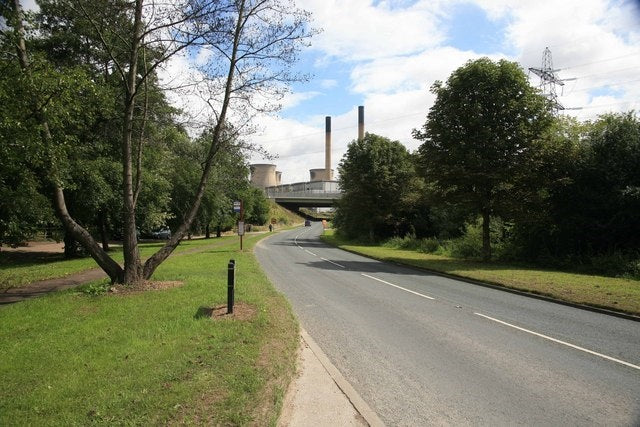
372, 266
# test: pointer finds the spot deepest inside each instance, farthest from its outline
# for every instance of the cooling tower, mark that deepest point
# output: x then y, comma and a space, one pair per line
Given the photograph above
263, 175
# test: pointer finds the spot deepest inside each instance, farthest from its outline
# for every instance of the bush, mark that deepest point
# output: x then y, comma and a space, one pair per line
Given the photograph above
429, 246
411, 243
394, 242
469, 245
615, 264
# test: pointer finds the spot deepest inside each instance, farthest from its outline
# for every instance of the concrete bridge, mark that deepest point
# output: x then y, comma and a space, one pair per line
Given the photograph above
318, 194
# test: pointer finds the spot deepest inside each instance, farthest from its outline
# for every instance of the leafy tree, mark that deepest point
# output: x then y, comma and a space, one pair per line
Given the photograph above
256, 206
480, 139
252, 45
538, 216
377, 177
598, 211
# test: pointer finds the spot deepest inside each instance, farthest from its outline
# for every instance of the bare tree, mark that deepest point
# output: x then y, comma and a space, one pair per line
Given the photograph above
252, 45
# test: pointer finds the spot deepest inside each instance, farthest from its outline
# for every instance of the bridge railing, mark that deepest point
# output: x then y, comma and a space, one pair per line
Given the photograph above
313, 189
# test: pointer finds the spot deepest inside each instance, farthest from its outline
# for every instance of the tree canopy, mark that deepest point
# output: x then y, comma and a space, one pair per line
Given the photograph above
87, 73
480, 138
378, 183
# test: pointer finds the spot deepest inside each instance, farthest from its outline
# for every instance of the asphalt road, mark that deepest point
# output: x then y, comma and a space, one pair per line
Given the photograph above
423, 349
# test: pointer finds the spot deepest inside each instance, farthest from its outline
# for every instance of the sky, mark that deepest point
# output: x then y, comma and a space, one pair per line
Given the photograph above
386, 54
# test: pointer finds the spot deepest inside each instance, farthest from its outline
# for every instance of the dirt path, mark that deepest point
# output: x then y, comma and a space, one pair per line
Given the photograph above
43, 287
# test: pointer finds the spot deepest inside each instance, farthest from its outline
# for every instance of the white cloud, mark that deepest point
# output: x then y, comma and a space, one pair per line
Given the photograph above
359, 30
291, 100
328, 83
407, 73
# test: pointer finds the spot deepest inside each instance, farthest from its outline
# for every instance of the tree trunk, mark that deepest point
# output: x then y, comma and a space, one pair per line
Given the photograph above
218, 231
207, 232
71, 227
486, 235
132, 265
102, 224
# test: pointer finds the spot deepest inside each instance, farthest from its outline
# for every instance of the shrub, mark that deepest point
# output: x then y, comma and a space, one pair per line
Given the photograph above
615, 264
394, 242
469, 245
429, 246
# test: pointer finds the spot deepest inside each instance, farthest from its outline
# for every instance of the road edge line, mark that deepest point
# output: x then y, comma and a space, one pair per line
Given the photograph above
354, 397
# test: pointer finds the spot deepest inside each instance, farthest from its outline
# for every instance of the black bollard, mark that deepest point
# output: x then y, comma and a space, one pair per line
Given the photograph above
231, 282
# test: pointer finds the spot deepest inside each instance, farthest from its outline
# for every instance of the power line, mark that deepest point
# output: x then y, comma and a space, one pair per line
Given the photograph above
606, 105
604, 85
608, 72
599, 61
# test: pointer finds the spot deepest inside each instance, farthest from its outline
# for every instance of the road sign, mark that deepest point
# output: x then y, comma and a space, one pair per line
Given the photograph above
240, 228
237, 206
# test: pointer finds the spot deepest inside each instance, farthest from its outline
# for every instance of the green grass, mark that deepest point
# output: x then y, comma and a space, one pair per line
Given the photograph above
283, 216
605, 292
17, 269
150, 358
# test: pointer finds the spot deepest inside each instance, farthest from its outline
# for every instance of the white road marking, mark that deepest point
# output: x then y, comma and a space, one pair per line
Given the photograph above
295, 239
604, 356
399, 287
334, 263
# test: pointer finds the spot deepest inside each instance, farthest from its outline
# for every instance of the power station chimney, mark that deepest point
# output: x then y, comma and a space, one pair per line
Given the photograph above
361, 123
327, 148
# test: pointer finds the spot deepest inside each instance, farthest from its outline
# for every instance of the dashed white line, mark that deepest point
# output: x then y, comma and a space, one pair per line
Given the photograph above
334, 263
604, 356
295, 240
399, 287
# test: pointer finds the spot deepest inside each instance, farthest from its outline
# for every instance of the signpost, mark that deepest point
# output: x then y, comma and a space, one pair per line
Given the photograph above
238, 207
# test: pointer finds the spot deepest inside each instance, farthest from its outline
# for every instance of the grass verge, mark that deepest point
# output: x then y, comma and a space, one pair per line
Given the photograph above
149, 358
597, 291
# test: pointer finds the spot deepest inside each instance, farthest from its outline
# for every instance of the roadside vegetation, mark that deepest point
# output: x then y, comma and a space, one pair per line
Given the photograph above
317, 215
499, 178
284, 217
614, 293
87, 356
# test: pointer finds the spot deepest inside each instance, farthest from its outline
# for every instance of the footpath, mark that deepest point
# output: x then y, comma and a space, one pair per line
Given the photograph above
319, 395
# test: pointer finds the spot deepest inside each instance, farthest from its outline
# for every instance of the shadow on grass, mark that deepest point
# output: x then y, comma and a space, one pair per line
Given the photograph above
26, 259
203, 312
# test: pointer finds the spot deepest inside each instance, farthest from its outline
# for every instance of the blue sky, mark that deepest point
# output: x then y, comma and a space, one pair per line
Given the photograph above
386, 54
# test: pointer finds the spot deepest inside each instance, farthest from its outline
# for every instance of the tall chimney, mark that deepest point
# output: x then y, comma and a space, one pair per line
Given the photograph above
361, 123
327, 148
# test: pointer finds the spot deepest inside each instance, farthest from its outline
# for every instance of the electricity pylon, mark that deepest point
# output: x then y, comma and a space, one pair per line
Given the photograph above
549, 80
